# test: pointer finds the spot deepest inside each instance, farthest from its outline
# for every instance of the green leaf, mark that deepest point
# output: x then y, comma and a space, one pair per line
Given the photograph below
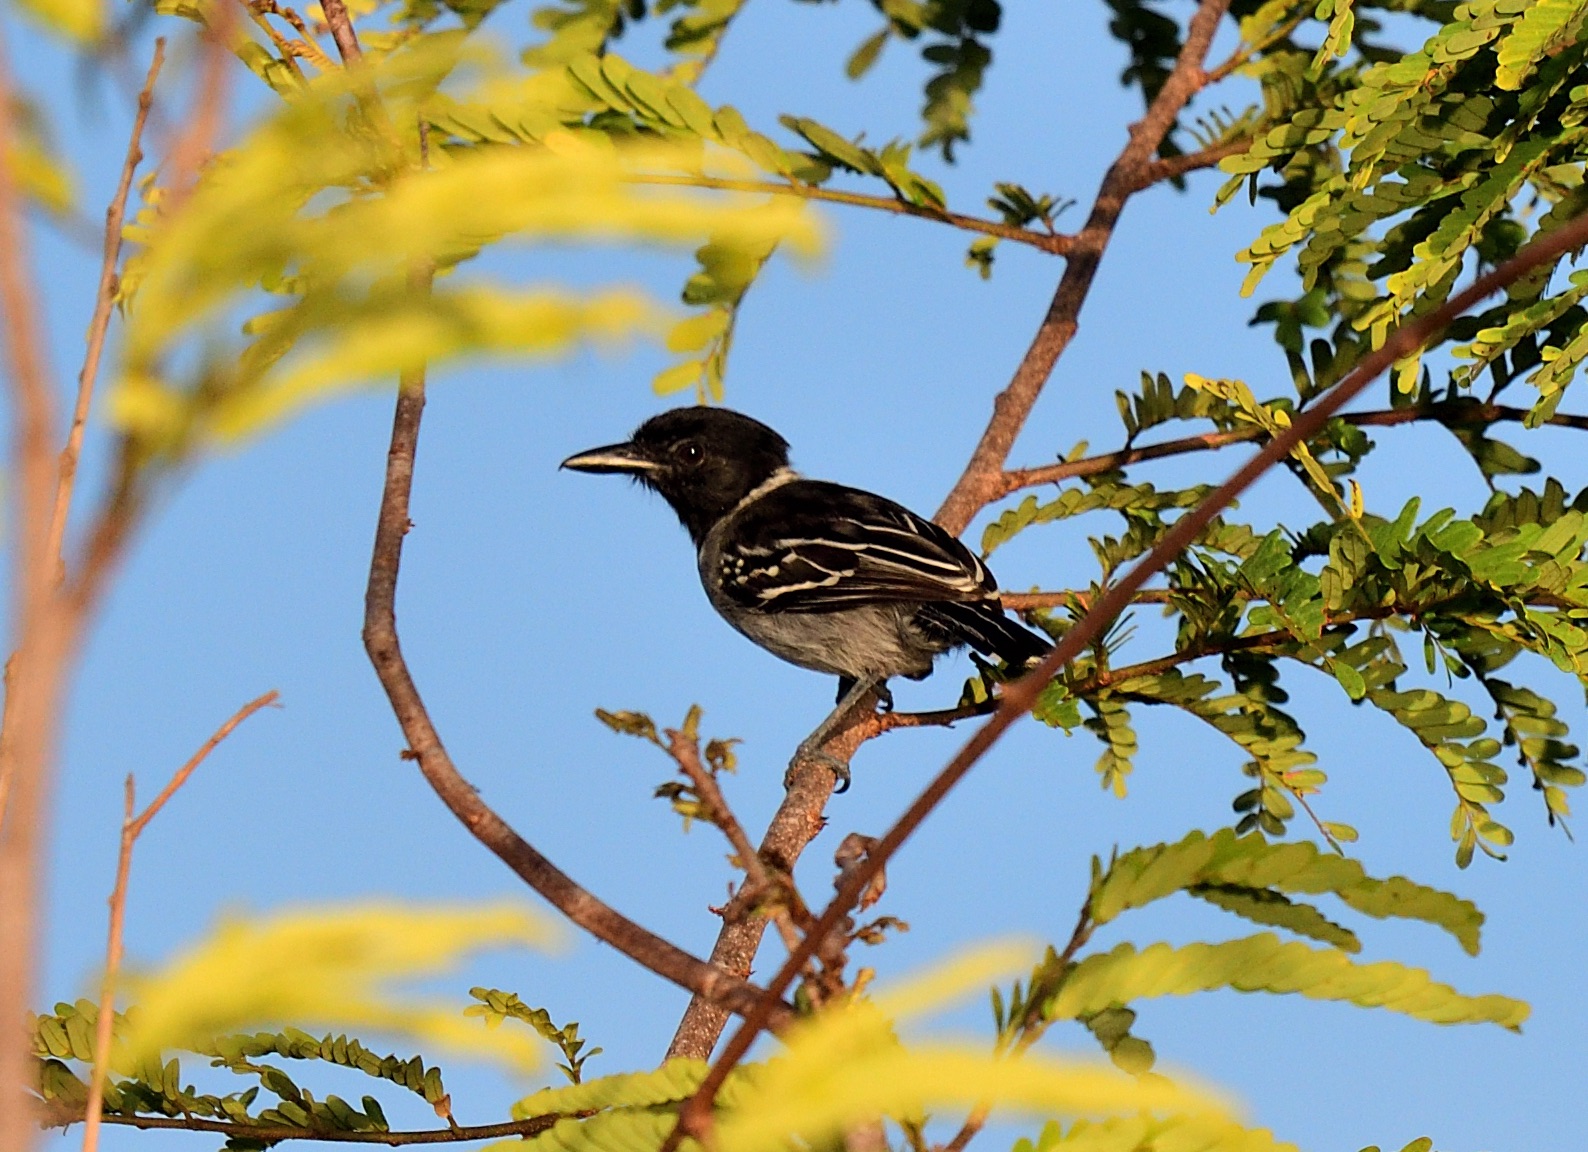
1143, 875
1262, 906
1264, 963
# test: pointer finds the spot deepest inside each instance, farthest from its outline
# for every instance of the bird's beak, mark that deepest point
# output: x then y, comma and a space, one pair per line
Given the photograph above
623, 457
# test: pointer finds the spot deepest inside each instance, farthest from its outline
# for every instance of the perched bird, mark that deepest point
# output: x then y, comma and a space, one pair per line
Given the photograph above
830, 578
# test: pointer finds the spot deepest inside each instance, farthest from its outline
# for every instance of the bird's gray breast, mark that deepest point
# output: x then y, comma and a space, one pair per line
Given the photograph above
876, 639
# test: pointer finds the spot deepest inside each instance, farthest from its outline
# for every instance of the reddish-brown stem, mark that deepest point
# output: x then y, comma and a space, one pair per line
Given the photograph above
1056, 243
1461, 413
99, 323
794, 825
131, 828
978, 486
274, 1133
425, 746
1173, 166
208, 112
1020, 696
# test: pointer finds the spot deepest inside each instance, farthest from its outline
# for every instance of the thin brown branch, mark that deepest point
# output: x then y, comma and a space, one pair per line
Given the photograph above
1020, 696
274, 1133
104, 1024
1245, 52
1077, 598
1052, 242
762, 886
425, 746
99, 323
979, 484
131, 828
341, 25
1459, 413
1172, 167
182, 773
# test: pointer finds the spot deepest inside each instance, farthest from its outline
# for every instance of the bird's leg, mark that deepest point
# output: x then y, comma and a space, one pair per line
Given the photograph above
851, 693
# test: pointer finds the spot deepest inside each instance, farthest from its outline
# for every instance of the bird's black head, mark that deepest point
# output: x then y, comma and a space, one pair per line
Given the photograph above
703, 461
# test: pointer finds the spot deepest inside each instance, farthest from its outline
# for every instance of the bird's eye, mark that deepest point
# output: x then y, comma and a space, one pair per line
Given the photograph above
690, 452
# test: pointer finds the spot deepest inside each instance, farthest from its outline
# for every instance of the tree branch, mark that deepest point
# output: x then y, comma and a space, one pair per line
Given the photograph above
341, 25
274, 1133
1053, 242
978, 485
99, 323
760, 884
38, 669
131, 828
1020, 696
1459, 413
424, 743
796, 823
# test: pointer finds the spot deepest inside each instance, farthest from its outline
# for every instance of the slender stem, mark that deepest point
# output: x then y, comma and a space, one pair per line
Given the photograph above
131, 828
1459, 413
104, 1024
1056, 243
796, 823
99, 323
32, 723
424, 741
274, 1133
694, 1118
341, 25
207, 114
979, 483
1173, 166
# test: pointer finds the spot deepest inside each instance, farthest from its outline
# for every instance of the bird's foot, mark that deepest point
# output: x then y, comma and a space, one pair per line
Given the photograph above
852, 692
811, 753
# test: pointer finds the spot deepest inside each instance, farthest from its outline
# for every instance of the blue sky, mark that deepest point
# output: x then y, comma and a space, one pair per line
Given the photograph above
530, 597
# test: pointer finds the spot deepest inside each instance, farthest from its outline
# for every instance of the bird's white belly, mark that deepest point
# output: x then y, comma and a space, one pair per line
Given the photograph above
873, 640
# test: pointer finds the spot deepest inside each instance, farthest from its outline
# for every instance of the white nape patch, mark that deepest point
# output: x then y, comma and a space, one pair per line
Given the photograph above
779, 478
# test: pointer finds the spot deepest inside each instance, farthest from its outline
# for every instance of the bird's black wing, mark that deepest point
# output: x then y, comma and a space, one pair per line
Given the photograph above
811, 546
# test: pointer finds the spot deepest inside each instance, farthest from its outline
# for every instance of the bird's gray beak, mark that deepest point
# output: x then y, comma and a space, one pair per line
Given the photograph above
623, 457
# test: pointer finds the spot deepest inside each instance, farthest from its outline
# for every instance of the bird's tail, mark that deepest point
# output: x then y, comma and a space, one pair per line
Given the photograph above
989, 630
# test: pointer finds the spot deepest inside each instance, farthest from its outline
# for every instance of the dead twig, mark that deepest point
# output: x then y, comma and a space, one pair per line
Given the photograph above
425, 747
131, 828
